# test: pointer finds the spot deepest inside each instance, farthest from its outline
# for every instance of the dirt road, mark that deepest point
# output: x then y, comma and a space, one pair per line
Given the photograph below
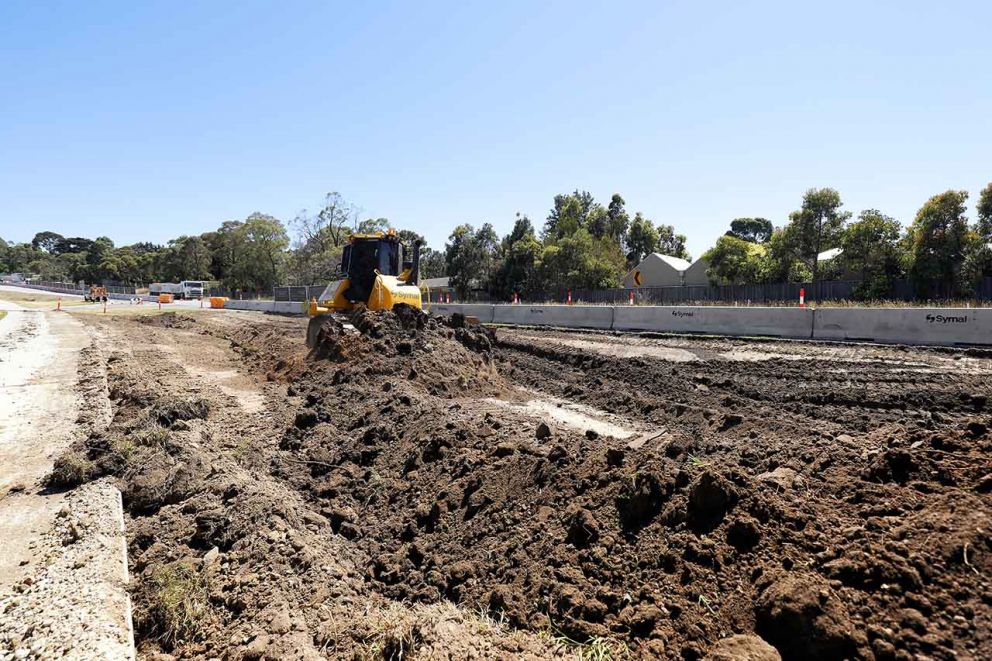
62, 569
427, 490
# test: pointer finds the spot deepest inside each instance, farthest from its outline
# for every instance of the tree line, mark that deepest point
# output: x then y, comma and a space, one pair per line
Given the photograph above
582, 243
254, 254
940, 251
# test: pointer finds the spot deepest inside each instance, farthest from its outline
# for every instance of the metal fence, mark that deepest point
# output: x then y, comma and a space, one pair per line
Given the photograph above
298, 294
74, 288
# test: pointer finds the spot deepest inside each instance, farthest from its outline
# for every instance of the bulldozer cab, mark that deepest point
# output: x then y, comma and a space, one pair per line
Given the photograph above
369, 254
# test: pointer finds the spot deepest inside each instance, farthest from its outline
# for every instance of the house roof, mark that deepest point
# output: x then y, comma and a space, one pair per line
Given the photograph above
676, 263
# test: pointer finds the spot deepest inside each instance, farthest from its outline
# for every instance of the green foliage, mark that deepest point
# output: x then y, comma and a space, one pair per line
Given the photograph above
984, 210
642, 239
519, 270
581, 261
471, 258
817, 226
617, 220
754, 230
372, 225
46, 241
734, 261
670, 243
571, 211
872, 250
939, 241
781, 262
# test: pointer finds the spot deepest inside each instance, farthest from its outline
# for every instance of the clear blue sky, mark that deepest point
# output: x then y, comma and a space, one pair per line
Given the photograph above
146, 120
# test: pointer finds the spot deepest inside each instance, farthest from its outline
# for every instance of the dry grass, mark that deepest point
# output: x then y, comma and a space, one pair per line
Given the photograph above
2, 314
69, 471
172, 604
444, 630
37, 300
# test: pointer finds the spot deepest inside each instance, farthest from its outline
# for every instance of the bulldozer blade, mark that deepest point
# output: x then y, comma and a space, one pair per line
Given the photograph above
313, 330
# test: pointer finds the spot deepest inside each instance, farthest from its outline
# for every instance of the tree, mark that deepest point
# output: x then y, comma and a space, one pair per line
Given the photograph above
581, 261
319, 239
642, 239
570, 211
191, 258
817, 226
670, 243
75, 244
781, 262
597, 222
984, 209
521, 254
519, 272
978, 263
617, 219
470, 258
46, 241
939, 241
266, 240
871, 249
431, 263
754, 230
734, 261
522, 227
372, 225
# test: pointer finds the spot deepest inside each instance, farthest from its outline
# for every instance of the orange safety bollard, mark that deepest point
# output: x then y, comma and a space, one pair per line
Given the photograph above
58, 304
631, 298
105, 307
569, 296
802, 297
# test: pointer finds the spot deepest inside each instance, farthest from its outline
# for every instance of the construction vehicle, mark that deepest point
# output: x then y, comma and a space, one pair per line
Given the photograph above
187, 289
377, 271
96, 294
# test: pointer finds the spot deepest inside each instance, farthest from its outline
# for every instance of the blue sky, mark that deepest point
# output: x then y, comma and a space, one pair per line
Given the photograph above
143, 121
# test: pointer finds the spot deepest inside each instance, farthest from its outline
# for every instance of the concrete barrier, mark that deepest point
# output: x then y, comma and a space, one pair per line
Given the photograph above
939, 326
482, 311
568, 316
281, 307
775, 322
936, 326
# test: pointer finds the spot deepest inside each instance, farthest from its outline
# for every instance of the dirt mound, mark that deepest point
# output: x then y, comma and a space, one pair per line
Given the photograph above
167, 320
831, 512
599, 540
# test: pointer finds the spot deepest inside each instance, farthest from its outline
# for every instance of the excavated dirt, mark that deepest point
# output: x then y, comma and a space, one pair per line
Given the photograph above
368, 499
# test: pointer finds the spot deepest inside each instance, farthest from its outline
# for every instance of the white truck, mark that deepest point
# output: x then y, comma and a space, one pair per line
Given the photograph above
183, 290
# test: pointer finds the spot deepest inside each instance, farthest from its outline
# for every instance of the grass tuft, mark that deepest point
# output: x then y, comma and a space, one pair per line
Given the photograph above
69, 471
173, 608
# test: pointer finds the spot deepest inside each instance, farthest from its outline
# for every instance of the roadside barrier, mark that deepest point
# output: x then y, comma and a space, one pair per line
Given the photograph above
923, 326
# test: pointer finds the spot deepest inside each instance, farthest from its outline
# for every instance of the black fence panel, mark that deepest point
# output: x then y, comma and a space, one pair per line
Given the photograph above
298, 293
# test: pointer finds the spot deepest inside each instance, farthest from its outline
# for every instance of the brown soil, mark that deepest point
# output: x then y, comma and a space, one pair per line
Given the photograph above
833, 500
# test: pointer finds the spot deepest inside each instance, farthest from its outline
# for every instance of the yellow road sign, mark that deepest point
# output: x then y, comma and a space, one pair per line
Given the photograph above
637, 278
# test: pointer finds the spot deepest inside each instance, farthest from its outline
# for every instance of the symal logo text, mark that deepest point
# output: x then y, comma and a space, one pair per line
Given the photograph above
942, 319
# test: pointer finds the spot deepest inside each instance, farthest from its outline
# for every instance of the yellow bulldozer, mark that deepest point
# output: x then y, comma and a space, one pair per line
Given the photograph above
378, 271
